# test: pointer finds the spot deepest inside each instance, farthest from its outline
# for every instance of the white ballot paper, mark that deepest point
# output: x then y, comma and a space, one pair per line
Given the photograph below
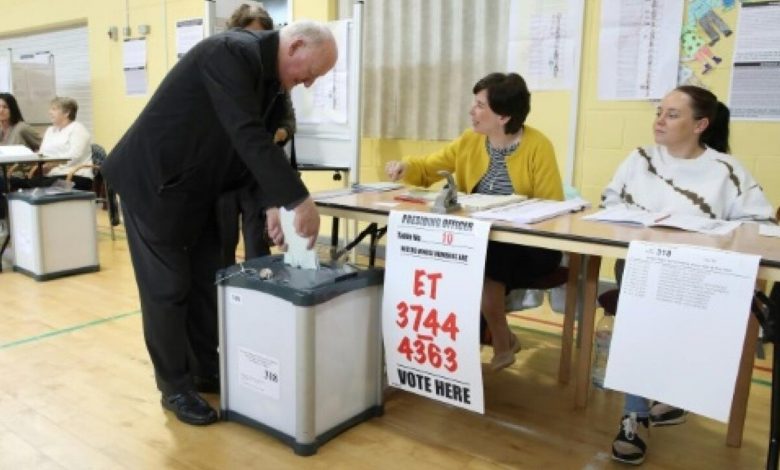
297, 255
680, 325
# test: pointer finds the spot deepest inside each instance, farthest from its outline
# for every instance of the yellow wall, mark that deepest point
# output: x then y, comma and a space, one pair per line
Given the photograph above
113, 110
607, 131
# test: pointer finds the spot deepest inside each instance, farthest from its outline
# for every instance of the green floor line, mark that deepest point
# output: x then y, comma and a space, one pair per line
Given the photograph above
69, 329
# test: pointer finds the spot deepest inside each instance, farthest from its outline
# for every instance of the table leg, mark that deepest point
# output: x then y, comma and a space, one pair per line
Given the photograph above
570, 311
334, 237
742, 387
586, 331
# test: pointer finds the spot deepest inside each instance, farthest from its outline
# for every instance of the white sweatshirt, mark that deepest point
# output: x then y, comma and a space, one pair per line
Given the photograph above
713, 185
72, 142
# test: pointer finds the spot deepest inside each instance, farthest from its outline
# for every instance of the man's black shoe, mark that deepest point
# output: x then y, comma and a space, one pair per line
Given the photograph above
190, 408
208, 384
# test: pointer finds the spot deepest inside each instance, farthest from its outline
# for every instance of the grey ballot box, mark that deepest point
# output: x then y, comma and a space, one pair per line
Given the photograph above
54, 232
301, 352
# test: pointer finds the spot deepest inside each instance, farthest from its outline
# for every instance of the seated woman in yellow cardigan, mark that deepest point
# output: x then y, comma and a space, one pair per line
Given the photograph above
499, 155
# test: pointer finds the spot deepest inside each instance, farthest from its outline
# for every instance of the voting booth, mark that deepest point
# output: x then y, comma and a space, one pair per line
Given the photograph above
54, 232
300, 349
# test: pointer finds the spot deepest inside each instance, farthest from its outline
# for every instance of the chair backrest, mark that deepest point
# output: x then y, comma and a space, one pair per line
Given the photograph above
98, 154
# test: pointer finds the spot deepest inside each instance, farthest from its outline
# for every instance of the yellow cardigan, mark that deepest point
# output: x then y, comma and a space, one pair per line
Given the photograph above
532, 167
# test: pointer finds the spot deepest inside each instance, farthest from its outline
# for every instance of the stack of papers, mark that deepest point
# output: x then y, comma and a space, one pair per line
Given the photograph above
469, 202
379, 186
331, 193
15, 151
691, 223
481, 202
532, 210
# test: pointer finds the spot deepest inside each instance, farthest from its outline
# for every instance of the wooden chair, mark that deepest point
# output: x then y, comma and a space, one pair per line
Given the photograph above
563, 275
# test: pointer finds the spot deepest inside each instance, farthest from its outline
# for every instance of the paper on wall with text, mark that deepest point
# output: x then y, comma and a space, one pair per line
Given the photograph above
431, 305
680, 325
639, 49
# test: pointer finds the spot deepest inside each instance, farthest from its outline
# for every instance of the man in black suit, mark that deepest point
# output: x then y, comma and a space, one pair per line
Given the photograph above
207, 129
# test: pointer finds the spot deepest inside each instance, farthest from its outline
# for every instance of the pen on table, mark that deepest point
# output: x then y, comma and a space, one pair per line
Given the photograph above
412, 199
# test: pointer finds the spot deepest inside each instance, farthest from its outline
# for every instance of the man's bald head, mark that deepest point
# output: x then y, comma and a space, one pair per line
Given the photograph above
307, 50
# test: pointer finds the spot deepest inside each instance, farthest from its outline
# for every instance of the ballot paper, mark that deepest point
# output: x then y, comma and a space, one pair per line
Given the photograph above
297, 255
769, 230
691, 223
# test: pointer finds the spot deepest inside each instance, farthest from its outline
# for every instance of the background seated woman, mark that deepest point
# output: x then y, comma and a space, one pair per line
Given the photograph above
67, 139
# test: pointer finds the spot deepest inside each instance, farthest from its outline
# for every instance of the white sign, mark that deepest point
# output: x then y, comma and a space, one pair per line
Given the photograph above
756, 71
188, 33
431, 305
544, 38
258, 372
680, 325
639, 49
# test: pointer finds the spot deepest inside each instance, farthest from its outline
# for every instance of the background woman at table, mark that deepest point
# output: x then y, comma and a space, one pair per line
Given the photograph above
13, 131
68, 139
498, 155
687, 171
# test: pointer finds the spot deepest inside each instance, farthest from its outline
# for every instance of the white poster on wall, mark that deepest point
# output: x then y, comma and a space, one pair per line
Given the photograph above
544, 38
430, 310
755, 93
134, 65
639, 49
188, 33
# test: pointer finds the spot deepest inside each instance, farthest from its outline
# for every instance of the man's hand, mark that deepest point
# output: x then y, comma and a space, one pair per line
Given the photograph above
395, 170
307, 221
274, 227
280, 135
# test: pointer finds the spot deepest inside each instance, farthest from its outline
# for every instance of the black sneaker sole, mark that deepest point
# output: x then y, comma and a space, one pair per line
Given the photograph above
667, 422
628, 461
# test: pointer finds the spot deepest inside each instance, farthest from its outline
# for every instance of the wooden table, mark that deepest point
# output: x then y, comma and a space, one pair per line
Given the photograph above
596, 239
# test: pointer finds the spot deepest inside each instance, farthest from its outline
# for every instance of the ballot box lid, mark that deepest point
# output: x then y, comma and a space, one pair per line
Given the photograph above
302, 287
38, 196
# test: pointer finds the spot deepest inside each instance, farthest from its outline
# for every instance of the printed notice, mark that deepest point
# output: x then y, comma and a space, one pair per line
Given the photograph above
639, 49
680, 325
754, 91
430, 312
258, 372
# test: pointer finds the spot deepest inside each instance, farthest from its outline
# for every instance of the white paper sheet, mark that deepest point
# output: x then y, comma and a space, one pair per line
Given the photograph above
430, 306
769, 230
297, 254
188, 33
755, 93
544, 37
639, 49
680, 325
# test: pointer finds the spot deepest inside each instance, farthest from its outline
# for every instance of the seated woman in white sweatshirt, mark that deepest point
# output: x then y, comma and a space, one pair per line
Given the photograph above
68, 139
688, 171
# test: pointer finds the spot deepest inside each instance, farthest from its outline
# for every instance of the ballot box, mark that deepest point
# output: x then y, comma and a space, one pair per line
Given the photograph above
300, 351
54, 232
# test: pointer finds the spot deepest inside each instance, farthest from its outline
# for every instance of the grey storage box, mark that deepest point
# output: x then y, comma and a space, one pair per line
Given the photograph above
301, 352
54, 232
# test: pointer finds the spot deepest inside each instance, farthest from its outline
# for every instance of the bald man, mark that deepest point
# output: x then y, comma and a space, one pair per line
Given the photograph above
207, 129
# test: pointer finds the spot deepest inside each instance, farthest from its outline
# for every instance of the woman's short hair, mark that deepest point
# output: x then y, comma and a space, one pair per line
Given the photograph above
246, 14
13, 107
507, 95
67, 105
